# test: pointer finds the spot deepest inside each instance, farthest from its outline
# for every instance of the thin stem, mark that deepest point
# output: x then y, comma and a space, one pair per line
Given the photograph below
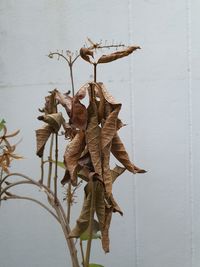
69, 204
42, 170
95, 72
56, 167
1, 177
82, 252
50, 162
92, 210
66, 231
33, 200
59, 55
59, 210
71, 77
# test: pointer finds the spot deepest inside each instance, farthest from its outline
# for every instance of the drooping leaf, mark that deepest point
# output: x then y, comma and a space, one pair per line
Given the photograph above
42, 136
50, 103
73, 153
66, 178
114, 205
107, 178
70, 131
100, 204
83, 220
83, 173
105, 233
116, 172
78, 117
85, 53
110, 127
54, 120
95, 235
119, 151
93, 134
100, 87
118, 54
82, 91
65, 100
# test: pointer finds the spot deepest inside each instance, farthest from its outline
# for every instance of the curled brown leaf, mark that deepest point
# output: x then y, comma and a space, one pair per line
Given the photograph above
78, 117
93, 134
54, 120
85, 53
73, 153
119, 151
42, 136
118, 54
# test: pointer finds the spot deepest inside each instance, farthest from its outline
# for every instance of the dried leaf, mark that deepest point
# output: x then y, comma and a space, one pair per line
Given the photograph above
42, 136
83, 220
100, 87
115, 206
100, 204
118, 54
119, 151
65, 100
70, 131
54, 120
107, 178
73, 153
66, 178
110, 127
117, 171
84, 173
82, 91
50, 103
79, 114
93, 133
105, 233
85, 53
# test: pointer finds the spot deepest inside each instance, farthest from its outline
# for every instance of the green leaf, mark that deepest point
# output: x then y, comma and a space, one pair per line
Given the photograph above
85, 236
95, 265
2, 124
95, 235
60, 164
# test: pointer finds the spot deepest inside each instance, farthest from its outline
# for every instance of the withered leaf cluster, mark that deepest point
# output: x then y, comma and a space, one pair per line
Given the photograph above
88, 55
93, 135
7, 149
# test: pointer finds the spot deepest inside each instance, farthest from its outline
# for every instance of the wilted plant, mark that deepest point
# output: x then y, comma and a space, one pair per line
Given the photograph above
92, 134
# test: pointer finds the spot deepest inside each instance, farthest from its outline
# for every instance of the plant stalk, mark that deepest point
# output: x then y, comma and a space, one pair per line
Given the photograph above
95, 72
42, 170
71, 77
1, 177
82, 252
50, 162
56, 167
91, 220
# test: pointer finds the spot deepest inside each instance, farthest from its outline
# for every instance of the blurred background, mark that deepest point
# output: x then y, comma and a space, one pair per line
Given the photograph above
158, 87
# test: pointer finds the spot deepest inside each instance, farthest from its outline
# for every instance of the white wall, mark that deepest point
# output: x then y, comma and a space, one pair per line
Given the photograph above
158, 87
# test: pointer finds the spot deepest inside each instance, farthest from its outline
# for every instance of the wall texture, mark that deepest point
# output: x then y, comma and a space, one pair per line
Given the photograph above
159, 89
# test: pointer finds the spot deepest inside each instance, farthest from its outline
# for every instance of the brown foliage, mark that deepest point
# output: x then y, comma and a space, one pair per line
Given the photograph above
118, 54
93, 137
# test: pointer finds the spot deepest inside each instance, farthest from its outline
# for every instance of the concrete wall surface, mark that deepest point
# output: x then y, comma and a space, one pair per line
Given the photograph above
158, 87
